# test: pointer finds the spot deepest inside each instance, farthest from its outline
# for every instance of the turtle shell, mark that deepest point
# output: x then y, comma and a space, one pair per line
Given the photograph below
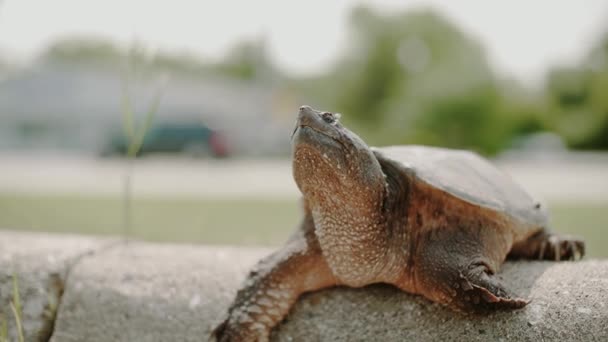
469, 177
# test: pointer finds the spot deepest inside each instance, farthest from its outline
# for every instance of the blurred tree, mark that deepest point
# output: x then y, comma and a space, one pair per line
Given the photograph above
182, 64
466, 120
578, 97
101, 52
371, 69
247, 59
414, 77
83, 49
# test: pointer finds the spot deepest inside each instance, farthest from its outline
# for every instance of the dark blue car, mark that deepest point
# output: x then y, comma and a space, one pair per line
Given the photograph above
193, 139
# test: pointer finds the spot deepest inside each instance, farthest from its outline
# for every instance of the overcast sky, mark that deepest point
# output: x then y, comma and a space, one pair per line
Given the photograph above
522, 38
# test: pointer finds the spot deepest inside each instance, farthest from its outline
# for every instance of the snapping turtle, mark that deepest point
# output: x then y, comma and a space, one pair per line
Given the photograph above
430, 221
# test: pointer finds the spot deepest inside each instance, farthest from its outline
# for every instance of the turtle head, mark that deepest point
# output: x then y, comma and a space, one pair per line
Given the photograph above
330, 161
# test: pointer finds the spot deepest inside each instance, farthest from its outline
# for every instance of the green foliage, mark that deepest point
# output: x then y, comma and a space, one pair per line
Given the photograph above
245, 60
413, 77
407, 77
84, 50
469, 120
578, 98
181, 65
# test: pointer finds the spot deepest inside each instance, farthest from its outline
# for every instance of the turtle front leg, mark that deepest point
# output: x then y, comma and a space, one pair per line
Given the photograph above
457, 268
271, 289
546, 245
470, 287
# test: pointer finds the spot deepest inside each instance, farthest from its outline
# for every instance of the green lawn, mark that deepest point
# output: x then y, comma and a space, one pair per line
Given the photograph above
245, 222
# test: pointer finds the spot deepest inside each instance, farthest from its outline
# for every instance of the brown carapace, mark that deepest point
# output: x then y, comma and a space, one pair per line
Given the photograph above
430, 221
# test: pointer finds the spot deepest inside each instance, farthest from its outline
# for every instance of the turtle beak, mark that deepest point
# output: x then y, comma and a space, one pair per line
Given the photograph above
310, 118
306, 115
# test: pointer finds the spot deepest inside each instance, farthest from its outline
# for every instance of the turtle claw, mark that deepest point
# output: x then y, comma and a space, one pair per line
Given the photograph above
548, 246
502, 302
217, 333
480, 291
557, 248
227, 331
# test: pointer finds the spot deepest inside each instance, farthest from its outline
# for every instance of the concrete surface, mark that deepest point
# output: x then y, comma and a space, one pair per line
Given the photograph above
161, 292
581, 176
569, 303
41, 263
145, 292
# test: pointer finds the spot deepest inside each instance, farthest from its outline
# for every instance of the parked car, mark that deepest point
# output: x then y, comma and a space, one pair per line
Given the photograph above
194, 139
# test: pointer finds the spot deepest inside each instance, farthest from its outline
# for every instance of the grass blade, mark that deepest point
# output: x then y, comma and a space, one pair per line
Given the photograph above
16, 308
138, 135
18, 322
3, 329
16, 298
133, 133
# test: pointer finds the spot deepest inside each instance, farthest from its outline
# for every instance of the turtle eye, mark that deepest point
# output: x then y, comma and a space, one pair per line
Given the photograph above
330, 118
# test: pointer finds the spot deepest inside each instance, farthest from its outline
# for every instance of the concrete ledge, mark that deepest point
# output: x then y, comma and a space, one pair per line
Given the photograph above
41, 263
153, 292
148, 292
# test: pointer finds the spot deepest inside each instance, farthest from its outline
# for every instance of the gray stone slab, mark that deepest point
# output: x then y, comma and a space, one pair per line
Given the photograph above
569, 303
40, 263
149, 292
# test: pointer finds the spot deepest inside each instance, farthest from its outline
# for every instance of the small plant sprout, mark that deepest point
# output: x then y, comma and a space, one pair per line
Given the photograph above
16, 308
134, 132
3, 328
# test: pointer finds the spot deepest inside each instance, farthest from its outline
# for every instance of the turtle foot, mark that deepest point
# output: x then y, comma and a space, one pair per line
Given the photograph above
481, 291
556, 247
227, 331
217, 335
548, 246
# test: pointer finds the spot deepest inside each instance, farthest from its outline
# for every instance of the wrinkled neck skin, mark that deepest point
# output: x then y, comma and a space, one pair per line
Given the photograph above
348, 209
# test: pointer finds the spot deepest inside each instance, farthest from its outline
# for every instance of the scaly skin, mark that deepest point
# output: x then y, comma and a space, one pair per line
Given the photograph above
273, 286
367, 220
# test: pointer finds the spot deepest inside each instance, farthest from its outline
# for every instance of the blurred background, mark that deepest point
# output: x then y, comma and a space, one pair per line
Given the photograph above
170, 120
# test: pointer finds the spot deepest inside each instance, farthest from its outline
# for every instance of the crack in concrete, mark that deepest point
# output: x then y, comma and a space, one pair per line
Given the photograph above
58, 282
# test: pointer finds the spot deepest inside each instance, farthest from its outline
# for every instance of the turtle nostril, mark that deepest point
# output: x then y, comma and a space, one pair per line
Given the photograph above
306, 115
304, 108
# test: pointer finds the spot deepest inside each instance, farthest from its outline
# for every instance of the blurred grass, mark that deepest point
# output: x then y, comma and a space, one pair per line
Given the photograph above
232, 221
265, 222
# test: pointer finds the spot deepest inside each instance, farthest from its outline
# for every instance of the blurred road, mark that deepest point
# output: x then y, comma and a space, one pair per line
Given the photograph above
570, 177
